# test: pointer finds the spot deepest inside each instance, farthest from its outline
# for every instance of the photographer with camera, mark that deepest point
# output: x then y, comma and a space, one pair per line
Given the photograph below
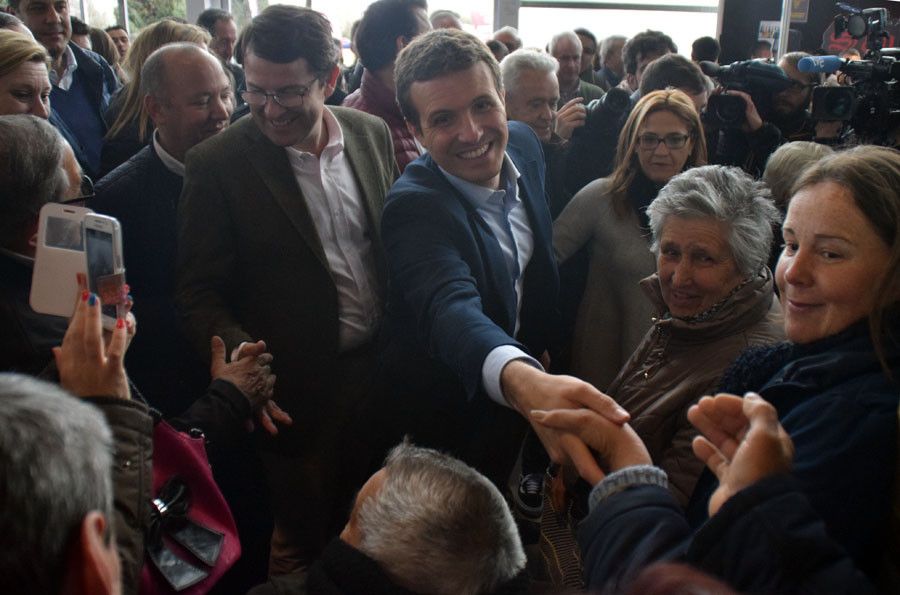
759, 107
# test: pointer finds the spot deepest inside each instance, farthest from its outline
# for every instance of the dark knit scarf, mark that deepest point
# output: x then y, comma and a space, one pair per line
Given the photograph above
345, 570
641, 193
757, 365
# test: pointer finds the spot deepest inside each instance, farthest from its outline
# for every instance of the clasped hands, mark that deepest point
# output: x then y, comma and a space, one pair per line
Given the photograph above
250, 371
91, 362
741, 439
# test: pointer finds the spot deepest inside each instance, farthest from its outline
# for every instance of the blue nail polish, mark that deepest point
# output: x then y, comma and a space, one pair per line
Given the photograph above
92, 301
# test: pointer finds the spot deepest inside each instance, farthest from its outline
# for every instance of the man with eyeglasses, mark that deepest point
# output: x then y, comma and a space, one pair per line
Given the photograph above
279, 241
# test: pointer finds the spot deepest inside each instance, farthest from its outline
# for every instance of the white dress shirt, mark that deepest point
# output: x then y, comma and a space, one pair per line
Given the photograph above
337, 208
65, 81
172, 164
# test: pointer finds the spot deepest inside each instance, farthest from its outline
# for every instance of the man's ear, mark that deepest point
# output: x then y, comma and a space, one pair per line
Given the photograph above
632, 80
154, 109
331, 81
93, 563
415, 131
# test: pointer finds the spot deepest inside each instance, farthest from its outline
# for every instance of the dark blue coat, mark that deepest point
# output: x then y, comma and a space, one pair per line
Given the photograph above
102, 83
451, 298
765, 539
143, 195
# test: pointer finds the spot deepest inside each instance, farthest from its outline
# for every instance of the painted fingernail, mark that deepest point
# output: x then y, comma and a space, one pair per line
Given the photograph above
92, 300
120, 322
85, 295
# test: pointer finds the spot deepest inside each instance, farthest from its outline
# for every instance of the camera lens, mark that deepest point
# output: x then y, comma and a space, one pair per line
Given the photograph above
731, 110
840, 105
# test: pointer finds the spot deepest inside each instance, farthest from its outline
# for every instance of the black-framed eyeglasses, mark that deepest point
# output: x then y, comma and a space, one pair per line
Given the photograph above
650, 141
286, 99
85, 194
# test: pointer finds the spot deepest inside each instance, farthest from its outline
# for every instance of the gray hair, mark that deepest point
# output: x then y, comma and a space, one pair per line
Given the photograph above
570, 35
512, 32
606, 46
153, 72
438, 526
786, 165
514, 64
55, 461
31, 172
726, 194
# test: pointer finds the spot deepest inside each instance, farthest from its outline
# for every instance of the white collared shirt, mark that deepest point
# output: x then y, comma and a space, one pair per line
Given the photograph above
65, 81
172, 164
337, 208
517, 244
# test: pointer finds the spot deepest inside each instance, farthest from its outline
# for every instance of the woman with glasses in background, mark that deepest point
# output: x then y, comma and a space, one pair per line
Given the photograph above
661, 138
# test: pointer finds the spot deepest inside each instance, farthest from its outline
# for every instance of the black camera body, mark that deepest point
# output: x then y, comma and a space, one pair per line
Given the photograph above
761, 80
592, 151
605, 116
871, 104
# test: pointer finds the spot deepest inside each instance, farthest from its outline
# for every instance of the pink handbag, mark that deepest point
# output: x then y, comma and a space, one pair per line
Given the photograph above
191, 540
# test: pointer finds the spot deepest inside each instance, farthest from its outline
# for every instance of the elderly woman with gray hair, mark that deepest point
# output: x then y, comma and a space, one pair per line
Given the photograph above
713, 297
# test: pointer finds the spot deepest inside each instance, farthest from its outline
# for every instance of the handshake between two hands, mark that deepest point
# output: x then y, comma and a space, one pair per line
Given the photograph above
91, 361
741, 440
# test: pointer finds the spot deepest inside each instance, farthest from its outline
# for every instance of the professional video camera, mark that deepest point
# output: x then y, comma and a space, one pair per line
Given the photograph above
871, 104
761, 80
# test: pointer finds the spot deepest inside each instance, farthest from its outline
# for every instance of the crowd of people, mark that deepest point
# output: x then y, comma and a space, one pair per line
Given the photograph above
460, 318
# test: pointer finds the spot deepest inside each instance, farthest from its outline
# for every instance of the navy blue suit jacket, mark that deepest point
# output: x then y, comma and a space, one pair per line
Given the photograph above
451, 299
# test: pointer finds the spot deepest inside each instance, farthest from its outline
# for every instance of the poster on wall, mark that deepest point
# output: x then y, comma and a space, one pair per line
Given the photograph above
768, 31
799, 11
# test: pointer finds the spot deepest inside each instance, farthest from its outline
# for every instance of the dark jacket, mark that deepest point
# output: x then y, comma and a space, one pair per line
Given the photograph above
143, 195
26, 336
101, 84
840, 409
452, 301
765, 539
344, 570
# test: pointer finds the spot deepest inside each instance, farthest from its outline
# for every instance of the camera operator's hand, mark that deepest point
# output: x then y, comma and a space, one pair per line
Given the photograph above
828, 129
570, 116
752, 119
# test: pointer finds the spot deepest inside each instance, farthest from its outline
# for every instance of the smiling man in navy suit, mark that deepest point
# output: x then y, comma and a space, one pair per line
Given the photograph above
473, 280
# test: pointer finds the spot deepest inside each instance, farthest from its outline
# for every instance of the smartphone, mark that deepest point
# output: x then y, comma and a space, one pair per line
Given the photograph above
105, 268
59, 259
